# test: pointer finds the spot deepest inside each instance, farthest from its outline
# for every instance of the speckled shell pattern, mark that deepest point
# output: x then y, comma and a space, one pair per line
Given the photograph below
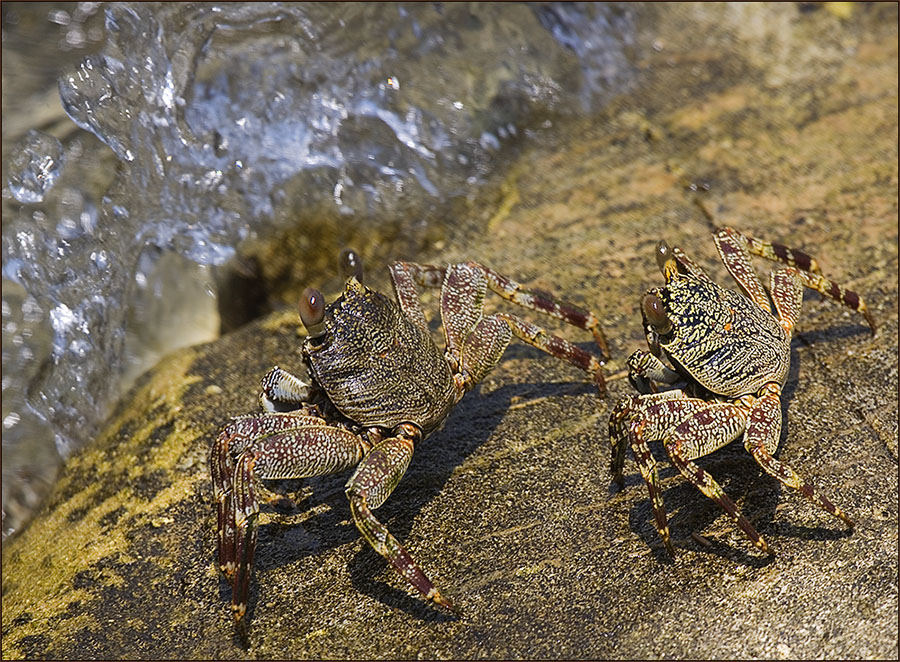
377, 367
722, 339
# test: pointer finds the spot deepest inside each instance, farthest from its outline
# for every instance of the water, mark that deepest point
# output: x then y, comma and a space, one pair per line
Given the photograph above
35, 166
202, 126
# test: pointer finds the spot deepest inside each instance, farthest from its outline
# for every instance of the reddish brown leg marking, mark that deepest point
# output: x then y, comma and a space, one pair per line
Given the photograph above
236, 437
732, 247
374, 480
761, 440
703, 432
736, 247
640, 420
464, 287
267, 446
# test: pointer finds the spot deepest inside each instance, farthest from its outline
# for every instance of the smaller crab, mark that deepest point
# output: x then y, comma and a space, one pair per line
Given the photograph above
733, 352
379, 386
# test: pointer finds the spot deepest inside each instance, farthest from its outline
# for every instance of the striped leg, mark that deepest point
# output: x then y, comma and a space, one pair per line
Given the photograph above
705, 431
405, 276
761, 440
464, 287
232, 441
374, 480
736, 247
561, 348
732, 247
286, 446
543, 302
645, 418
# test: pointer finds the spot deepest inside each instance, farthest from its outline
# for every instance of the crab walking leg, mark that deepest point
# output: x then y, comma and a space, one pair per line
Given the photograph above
772, 251
735, 249
633, 409
374, 480
404, 276
561, 348
654, 416
298, 453
787, 295
547, 304
761, 440
838, 293
470, 280
732, 247
234, 438
702, 433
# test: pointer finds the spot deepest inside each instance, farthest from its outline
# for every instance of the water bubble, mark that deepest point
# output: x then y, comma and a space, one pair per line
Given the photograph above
35, 166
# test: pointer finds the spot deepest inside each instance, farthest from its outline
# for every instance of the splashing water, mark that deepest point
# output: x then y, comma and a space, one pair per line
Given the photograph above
35, 166
222, 119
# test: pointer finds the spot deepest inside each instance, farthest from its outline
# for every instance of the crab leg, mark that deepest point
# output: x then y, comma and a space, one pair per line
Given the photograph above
736, 247
467, 284
761, 440
634, 409
404, 276
374, 480
732, 247
705, 431
561, 348
234, 438
547, 304
309, 450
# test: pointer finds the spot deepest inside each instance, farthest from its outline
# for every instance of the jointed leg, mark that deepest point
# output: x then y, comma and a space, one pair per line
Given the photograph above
547, 304
464, 288
556, 346
735, 249
267, 446
761, 440
375, 478
405, 276
645, 418
772, 251
688, 264
706, 430
735, 254
232, 441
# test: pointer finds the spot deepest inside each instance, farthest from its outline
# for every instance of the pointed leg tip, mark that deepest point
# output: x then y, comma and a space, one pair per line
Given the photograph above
670, 549
439, 599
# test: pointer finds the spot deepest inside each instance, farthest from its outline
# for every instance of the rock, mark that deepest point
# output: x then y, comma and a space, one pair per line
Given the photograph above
775, 120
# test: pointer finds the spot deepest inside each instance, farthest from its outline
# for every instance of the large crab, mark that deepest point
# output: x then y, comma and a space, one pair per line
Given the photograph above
732, 351
379, 386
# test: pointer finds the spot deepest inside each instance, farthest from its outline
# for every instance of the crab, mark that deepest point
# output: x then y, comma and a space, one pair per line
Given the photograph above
731, 351
379, 385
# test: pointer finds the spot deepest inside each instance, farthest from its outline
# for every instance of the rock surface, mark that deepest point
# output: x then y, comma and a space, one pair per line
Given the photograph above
775, 120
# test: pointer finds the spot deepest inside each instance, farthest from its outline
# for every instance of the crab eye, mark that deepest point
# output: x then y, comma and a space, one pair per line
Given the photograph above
312, 310
655, 314
351, 265
665, 259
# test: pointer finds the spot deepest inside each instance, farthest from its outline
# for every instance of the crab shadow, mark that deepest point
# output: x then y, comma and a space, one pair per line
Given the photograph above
282, 542
759, 494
